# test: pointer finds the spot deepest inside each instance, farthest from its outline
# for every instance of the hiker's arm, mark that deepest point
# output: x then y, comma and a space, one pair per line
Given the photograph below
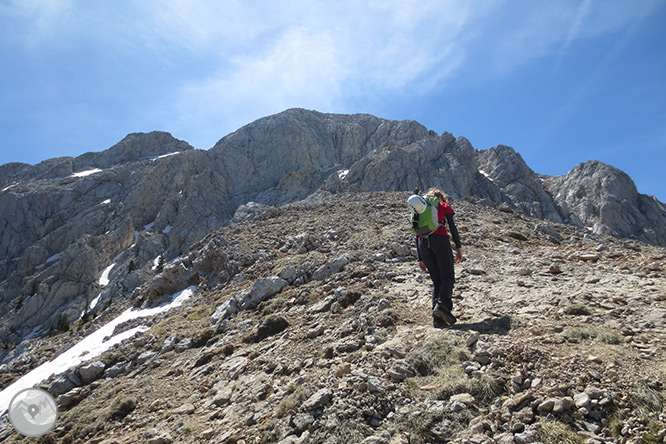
454, 231
456, 237
418, 255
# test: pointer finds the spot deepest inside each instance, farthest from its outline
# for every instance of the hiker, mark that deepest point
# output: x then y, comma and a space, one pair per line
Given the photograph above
434, 250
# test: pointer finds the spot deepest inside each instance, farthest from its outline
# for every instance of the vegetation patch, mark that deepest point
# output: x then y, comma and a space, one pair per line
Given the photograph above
200, 312
351, 432
556, 432
291, 402
386, 318
578, 310
593, 333
646, 401
202, 337
418, 428
120, 408
113, 357
440, 373
648, 404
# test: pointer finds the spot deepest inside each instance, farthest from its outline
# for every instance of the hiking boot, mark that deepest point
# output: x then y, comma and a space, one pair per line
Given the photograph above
438, 323
444, 314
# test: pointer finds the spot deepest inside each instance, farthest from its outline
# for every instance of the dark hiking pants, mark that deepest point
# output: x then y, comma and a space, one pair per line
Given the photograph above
437, 255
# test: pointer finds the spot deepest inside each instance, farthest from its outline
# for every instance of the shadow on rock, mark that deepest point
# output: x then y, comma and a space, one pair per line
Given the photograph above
499, 326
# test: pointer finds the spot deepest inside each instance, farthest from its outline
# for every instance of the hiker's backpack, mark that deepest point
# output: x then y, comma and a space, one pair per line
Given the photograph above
427, 221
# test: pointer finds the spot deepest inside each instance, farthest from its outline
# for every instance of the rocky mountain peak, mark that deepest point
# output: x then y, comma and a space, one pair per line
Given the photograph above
135, 146
600, 181
605, 200
151, 197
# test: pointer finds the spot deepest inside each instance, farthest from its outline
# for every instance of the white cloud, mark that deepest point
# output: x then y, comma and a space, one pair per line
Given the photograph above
299, 69
325, 58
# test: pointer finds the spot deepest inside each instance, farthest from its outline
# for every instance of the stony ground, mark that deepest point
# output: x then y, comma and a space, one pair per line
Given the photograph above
324, 335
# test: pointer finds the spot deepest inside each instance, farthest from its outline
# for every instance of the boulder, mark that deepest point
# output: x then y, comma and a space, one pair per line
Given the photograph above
92, 371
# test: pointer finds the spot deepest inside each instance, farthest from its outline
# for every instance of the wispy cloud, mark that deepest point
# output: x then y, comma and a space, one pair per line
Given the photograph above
300, 68
30, 22
254, 57
574, 29
324, 57
527, 31
597, 74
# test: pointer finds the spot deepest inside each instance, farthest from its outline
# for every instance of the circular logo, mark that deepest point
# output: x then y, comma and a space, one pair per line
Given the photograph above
33, 412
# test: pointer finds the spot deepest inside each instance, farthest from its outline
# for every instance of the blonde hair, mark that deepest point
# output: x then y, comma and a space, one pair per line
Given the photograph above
435, 192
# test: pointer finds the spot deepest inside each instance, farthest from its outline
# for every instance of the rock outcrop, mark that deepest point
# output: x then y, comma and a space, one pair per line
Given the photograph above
521, 187
604, 200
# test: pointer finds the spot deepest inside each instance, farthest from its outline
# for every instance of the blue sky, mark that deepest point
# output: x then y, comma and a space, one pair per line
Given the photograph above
562, 82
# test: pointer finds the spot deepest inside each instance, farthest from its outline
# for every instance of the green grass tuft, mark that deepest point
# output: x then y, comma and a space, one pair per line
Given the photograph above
602, 335
556, 432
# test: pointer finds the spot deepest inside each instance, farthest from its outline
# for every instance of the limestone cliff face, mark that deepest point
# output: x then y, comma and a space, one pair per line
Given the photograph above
605, 200
520, 186
149, 198
64, 220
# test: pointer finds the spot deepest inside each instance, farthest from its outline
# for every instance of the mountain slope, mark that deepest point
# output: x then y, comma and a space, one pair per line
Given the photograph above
311, 324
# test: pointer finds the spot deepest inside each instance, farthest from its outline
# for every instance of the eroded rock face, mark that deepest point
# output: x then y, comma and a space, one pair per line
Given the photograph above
605, 200
520, 186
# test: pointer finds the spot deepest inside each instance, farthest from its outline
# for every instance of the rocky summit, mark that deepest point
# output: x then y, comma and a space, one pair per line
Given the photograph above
307, 319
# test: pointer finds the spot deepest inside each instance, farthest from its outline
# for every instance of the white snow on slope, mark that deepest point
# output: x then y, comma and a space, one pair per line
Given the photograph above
104, 277
53, 258
86, 173
93, 303
104, 280
136, 239
164, 155
487, 175
89, 347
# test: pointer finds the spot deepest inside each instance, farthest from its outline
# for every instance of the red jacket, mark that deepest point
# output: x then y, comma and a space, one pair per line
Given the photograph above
442, 211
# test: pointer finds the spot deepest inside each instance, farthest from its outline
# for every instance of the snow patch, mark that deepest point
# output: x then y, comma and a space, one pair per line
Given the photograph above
164, 155
53, 258
94, 302
149, 226
106, 202
90, 347
104, 277
167, 229
487, 175
342, 174
10, 186
86, 173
